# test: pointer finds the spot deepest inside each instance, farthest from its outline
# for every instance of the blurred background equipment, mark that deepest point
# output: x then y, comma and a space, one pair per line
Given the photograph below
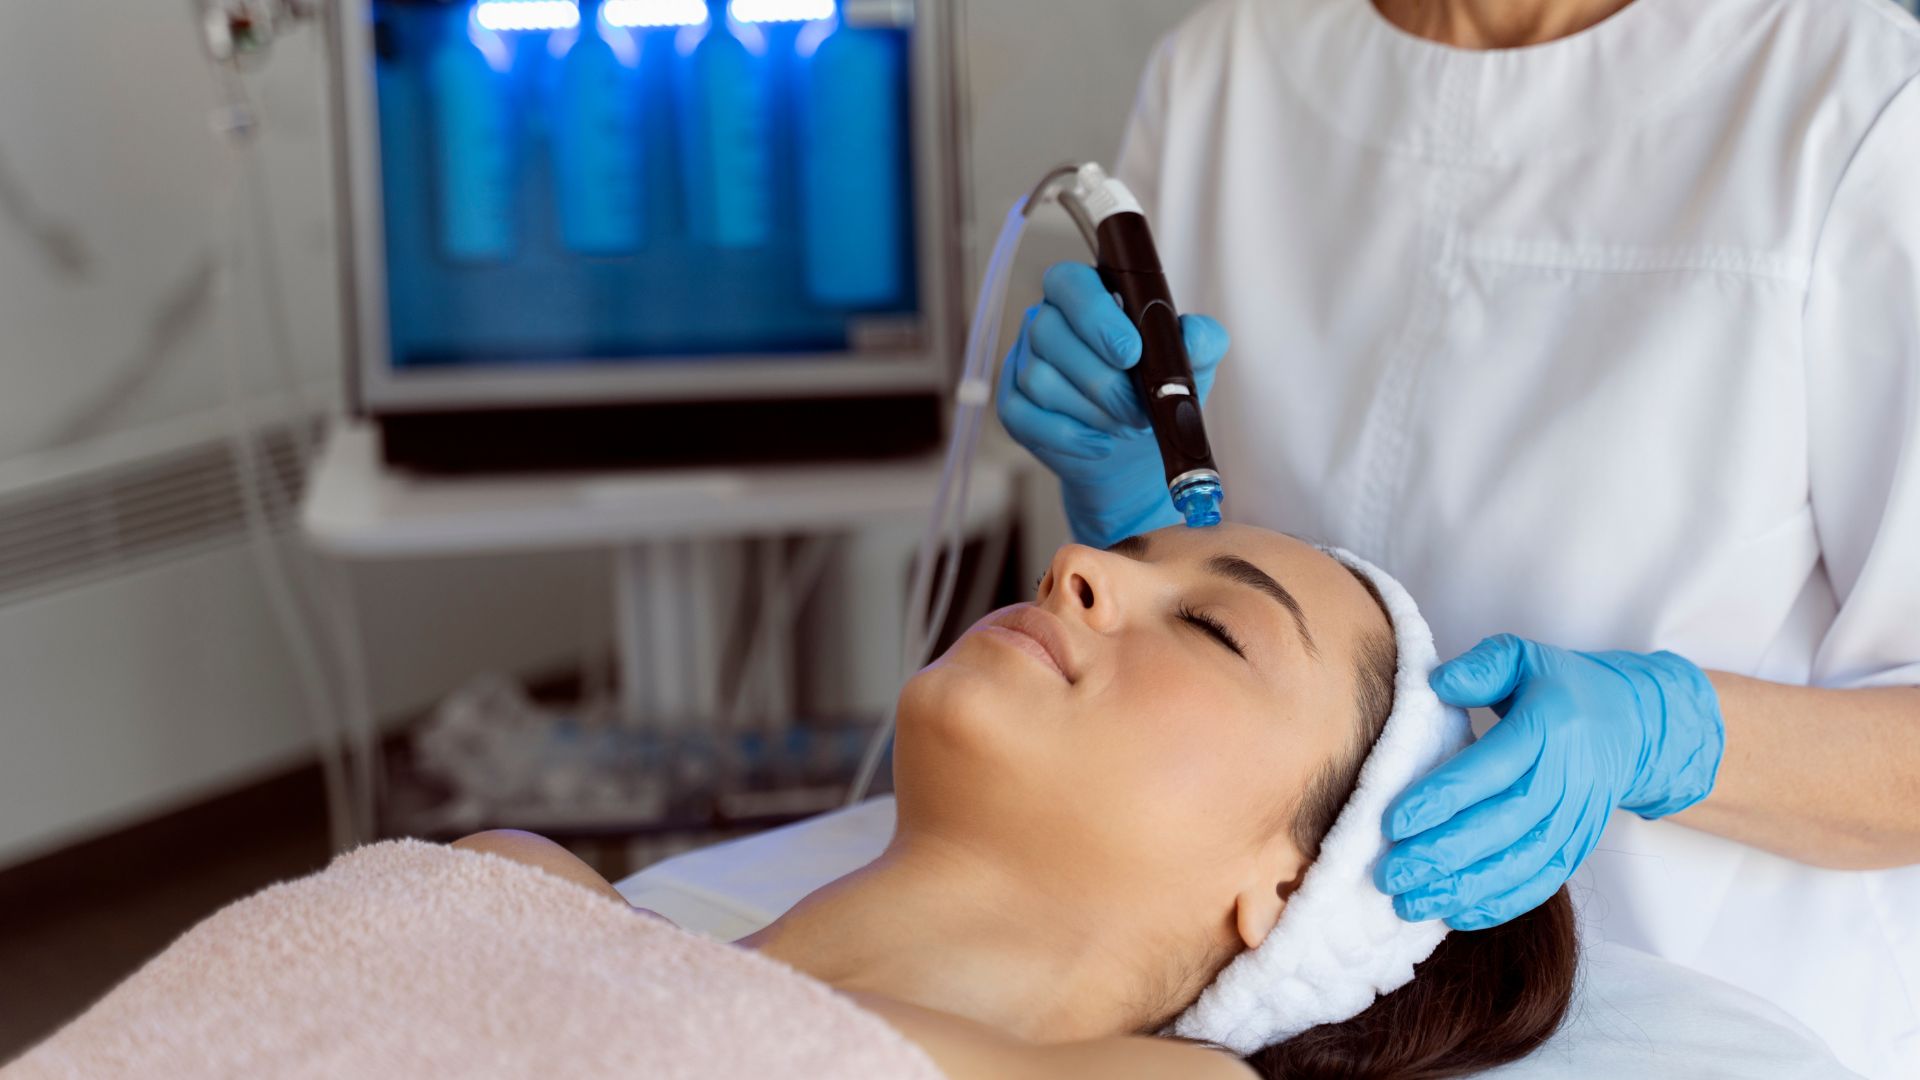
757, 639
234, 639
647, 231
659, 233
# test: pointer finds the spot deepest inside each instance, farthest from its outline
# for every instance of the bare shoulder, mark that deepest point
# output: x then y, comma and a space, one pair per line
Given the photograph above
538, 851
965, 1050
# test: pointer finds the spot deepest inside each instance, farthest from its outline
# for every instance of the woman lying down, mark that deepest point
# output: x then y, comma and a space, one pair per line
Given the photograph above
1137, 819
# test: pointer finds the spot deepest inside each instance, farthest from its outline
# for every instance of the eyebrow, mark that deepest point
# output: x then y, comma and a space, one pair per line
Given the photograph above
1238, 570
1235, 568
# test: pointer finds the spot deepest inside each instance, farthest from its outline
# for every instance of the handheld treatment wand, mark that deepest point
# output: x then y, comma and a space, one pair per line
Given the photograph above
1110, 218
1116, 229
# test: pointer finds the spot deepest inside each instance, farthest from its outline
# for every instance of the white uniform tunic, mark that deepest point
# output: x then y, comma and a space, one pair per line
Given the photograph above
1612, 342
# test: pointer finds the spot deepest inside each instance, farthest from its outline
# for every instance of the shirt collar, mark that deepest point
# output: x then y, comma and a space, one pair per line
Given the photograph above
1380, 85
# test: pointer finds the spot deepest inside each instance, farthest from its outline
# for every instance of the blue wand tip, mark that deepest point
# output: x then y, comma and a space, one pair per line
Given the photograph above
1199, 502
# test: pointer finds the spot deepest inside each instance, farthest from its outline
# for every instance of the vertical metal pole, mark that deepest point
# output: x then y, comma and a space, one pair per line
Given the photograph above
338, 743
777, 647
703, 621
634, 639
666, 588
366, 768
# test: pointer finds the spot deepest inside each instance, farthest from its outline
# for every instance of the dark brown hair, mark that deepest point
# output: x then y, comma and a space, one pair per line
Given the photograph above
1327, 793
1485, 997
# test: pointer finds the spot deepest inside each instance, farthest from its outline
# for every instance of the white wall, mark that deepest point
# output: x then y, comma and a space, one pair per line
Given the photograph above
147, 690
104, 127
156, 688
1053, 82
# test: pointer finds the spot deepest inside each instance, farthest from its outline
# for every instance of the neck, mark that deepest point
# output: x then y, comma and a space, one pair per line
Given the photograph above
933, 926
1496, 24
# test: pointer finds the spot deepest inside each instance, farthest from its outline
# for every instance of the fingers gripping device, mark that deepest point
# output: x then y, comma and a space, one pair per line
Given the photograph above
1116, 229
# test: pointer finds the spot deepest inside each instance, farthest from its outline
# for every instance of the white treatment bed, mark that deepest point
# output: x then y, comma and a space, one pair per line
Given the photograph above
1633, 1015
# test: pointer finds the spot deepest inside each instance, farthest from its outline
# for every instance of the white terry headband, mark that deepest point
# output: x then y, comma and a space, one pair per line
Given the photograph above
1338, 944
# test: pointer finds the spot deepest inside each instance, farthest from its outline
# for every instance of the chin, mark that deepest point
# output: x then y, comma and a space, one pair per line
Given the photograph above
963, 741
976, 690
952, 709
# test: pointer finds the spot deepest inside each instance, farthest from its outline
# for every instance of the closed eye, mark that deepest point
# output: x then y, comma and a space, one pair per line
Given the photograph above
1210, 626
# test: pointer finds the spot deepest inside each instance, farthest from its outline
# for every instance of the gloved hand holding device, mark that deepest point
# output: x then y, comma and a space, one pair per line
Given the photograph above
1493, 832
1064, 394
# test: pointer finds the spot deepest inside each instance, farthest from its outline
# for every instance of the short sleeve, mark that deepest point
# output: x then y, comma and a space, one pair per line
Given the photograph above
1863, 398
1138, 164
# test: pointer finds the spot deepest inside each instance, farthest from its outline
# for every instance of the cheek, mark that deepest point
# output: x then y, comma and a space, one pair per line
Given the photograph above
1196, 757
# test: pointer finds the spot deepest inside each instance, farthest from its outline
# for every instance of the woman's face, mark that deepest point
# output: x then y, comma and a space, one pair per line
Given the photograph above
1150, 720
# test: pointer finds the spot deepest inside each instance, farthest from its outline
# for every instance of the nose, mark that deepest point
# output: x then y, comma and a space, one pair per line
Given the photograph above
1082, 585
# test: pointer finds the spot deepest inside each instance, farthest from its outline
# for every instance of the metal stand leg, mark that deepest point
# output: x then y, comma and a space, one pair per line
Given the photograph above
702, 621
365, 768
670, 624
776, 655
633, 638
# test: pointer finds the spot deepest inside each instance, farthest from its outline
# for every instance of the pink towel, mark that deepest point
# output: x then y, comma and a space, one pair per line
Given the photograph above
408, 959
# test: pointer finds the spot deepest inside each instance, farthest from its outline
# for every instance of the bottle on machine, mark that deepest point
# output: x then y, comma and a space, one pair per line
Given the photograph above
598, 143
851, 196
475, 137
726, 128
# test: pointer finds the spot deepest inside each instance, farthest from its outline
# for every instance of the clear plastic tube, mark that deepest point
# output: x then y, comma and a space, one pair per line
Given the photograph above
282, 597
946, 523
265, 502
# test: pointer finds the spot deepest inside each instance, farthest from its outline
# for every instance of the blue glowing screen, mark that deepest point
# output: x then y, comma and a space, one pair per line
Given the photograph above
612, 180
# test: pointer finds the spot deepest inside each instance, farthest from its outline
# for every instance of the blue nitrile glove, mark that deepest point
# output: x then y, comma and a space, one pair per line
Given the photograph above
1493, 832
1066, 396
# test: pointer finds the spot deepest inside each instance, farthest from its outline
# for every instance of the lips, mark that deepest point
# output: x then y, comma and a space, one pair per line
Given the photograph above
1034, 626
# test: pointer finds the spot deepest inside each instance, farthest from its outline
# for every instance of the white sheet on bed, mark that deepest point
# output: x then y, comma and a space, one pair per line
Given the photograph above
1633, 1015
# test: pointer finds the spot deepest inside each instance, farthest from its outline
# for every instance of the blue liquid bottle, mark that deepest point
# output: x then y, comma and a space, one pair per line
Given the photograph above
726, 112
599, 176
850, 165
474, 134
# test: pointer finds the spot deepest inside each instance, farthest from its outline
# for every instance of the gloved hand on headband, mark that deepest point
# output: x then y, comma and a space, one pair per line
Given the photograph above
1065, 395
1491, 833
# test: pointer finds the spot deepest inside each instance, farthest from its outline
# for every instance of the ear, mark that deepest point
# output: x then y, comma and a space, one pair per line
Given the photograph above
1257, 909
